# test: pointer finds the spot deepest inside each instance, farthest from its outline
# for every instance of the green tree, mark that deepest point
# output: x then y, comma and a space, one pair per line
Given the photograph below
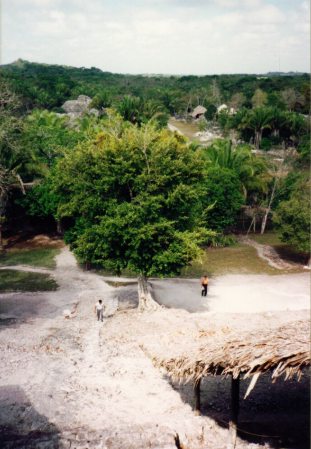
135, 200
237, 100
223, 198
46, 134
259, 99
130, 109
250, 170
211, 111
101, 100
12, 158
296, 126
278, 121
289, 98
138, 111
292, 218
275, 101
257, 120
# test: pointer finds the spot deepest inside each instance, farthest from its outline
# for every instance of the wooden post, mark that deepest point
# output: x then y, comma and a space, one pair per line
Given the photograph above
197, 395
235, 390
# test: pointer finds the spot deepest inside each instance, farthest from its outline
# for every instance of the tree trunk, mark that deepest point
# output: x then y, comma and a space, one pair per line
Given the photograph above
146, 301
1, 240
264, 221
59, 228
254, 223
258, 137
268, 209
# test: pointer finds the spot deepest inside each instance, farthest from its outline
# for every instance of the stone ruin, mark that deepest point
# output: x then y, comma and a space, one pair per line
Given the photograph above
80, 106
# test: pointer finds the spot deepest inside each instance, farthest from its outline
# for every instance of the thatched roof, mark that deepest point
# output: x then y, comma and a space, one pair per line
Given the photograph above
284, 350
222, 107
199, 110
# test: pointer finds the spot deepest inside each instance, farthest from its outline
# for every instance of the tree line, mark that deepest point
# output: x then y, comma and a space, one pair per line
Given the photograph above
49, 86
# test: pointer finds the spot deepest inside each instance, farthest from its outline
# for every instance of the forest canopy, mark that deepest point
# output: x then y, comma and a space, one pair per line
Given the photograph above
130, 194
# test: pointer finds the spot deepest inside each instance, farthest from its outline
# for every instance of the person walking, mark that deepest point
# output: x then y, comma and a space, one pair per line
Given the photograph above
204, 284
99, 309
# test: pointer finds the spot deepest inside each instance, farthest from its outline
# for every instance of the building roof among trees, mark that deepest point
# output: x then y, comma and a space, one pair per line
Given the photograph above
199, 110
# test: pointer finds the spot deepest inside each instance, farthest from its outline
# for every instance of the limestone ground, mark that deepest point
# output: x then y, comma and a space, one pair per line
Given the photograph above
83, 384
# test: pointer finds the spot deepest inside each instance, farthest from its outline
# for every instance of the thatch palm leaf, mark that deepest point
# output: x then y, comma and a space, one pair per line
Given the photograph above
249, 168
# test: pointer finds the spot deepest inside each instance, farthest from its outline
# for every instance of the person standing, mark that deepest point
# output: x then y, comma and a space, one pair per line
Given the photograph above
204, 284
99, 309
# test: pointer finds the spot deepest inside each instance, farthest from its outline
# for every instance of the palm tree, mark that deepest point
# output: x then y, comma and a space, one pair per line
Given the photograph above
250, 169
278, 120
257, 120
130, 108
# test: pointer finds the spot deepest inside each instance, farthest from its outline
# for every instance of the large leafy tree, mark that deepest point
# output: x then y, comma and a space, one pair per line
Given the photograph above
223, 198
134, 200
13, 159
292, 217
45, 134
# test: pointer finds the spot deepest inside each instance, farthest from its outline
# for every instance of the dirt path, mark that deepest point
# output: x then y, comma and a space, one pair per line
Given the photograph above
78, 383
270, 255
27, 268
70, 381
236, 293
174, 128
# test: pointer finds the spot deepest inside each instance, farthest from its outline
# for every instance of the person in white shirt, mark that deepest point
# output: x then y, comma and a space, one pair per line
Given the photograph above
99, 309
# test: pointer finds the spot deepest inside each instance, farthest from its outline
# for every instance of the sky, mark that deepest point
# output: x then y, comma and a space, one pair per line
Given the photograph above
159, 36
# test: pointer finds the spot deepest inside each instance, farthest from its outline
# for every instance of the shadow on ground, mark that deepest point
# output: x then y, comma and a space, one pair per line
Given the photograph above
180, 294
127, 295
18, 308
276, 414
21, 426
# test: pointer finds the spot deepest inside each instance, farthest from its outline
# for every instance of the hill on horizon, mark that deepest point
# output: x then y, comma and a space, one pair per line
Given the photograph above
22, 63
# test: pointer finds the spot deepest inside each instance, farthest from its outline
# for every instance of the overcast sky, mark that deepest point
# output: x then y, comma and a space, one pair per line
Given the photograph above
160, 36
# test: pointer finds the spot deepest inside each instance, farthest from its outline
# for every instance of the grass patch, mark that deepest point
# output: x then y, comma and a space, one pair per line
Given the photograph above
238, 259
269, 238
38, 257
22, 281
